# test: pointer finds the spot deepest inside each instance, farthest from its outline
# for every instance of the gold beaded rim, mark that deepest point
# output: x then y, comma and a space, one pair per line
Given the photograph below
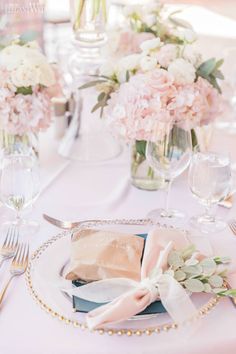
203, 311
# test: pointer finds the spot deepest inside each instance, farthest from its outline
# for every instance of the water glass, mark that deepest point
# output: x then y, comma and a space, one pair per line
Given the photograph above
19, 186
210, 182
169, 152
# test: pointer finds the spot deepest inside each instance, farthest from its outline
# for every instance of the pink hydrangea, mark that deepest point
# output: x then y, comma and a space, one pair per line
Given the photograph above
129, 42
20, 113
146, 98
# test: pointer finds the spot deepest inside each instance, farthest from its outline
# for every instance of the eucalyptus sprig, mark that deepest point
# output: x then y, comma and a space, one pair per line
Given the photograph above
199, 274
210, 70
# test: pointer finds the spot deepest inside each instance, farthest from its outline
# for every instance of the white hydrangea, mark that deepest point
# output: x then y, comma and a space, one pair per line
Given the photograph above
192, 55
182, 71
20, 59
148, 63
151, 46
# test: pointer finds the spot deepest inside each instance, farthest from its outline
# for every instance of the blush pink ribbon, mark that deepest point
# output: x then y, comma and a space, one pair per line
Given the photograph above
125, 298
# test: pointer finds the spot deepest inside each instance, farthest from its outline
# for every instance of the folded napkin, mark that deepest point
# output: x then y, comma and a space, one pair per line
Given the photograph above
97, 255
129, 297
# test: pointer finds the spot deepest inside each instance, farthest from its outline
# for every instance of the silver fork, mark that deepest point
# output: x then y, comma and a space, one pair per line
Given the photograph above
9, 246
232, 225
18, 266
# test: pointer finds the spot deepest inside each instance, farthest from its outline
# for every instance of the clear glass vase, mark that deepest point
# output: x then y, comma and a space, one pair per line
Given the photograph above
142, 175
23, 144
87, 138
88, 19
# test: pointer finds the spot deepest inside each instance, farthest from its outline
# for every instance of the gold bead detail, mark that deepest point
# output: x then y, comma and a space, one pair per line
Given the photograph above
101, 331
110, 332
120, 333
129, 333
138, 333
75, 324
148, 332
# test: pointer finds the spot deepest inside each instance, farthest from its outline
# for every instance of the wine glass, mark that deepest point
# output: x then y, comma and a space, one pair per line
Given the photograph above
169, 152
210, 182
19, 187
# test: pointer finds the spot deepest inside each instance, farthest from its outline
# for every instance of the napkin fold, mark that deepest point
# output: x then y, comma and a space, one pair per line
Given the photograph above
100, 254
128, 297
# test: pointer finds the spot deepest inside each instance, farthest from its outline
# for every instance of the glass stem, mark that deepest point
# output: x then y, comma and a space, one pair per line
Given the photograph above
208, 213
18, 217
167, 207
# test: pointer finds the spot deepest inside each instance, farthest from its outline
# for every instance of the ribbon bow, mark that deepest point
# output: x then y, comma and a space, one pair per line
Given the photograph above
125, 298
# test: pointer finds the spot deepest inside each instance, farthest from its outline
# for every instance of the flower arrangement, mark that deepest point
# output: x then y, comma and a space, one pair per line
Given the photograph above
26, 80
164, 81
167, 80
148, 22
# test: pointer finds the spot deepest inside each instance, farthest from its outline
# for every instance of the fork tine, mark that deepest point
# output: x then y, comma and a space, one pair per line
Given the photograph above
18, 251
232, 225
6, 241
26, 258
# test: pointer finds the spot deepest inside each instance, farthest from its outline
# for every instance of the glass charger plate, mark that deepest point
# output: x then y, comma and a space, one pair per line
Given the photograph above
45, 283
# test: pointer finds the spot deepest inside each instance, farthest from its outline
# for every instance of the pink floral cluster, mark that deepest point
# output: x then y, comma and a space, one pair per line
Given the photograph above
147, 98
20, 113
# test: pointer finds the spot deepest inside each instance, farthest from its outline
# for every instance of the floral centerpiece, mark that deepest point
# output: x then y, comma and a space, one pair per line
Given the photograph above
147, 22
165, 81
25, 92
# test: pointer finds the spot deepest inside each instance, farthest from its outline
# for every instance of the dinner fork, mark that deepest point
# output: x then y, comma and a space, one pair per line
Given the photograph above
9, 246
18, 266
232, 225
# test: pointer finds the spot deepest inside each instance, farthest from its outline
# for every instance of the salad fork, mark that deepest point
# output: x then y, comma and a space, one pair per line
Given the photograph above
9, 246
18, 266
232, 225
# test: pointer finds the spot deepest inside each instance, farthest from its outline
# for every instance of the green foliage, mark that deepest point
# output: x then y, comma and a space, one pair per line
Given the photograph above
198, 275
24, 90
209, 70
140, 146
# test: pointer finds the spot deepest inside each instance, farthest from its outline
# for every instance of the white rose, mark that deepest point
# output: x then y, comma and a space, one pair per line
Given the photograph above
191, 55
151, 45
25, 76
148, 63
186, 35
167, 54
12, 56
108, 69
182, 71
128, 63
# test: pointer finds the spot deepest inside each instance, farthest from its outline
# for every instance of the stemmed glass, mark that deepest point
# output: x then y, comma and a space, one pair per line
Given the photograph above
169, 152
210, 182
19, 187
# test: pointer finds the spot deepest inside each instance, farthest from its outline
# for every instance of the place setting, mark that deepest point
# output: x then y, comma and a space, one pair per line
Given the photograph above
122, 92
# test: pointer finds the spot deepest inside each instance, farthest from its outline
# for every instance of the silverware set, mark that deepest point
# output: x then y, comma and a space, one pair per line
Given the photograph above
19, 252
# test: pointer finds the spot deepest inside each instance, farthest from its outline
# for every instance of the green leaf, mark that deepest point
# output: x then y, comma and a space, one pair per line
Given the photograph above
91, 84
24, 90
191, 262
101, 96
180, 23
206, 68
175, 260
180, 275
140, 146
216, 281
219, 63
222, 260
194, 285
209, 266
229, 292
127, 75
207, 288
192, 270
188, 251
218, 74
214, 83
